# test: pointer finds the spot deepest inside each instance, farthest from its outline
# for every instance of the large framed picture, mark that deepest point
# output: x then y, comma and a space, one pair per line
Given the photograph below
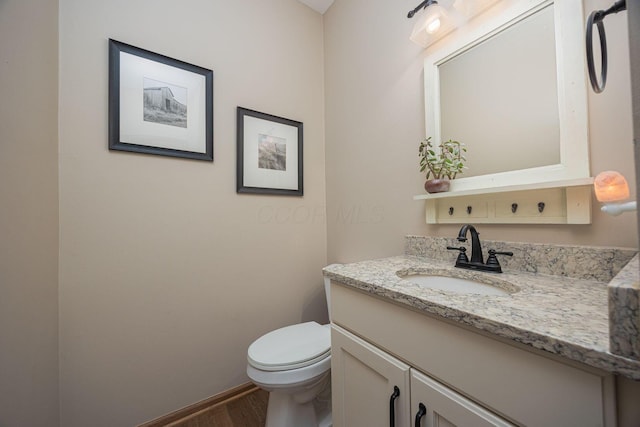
159, 105
269, 154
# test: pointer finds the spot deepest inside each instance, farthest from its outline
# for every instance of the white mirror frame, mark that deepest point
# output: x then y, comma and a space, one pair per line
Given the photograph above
572, 89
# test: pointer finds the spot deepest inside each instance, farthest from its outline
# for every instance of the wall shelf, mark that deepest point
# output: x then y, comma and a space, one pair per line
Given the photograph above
506, 188
558, 202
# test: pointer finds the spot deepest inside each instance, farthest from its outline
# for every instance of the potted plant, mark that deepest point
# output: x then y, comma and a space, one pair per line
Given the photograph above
441, 164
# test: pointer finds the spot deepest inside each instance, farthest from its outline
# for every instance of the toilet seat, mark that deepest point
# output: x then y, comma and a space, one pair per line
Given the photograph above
291, 347
289, 379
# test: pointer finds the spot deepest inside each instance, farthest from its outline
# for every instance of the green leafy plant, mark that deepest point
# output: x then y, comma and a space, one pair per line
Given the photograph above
446, 160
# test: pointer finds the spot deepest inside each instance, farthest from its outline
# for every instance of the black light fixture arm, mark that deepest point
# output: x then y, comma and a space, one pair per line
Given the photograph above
422, 5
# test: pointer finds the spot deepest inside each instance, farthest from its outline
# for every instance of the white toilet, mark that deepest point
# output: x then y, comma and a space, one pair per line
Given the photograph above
294, 364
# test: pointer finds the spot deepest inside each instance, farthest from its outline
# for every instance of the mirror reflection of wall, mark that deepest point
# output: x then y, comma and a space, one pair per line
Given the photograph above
501, 98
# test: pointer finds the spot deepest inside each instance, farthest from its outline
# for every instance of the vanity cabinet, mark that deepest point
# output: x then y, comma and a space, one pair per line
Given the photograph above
372, 388
463, 378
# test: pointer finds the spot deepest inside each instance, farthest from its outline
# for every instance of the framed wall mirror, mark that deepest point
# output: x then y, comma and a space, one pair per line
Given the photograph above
511, 85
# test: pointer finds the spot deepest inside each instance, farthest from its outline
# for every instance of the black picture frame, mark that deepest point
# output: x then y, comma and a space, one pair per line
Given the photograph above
159, 105
269, 158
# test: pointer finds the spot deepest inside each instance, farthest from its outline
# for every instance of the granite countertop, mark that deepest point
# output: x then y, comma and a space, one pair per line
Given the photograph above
566, 316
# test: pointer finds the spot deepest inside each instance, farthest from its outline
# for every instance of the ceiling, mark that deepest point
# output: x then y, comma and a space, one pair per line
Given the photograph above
319, 6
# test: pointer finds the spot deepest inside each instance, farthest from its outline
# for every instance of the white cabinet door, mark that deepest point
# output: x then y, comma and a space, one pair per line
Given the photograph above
364, 379
435, 405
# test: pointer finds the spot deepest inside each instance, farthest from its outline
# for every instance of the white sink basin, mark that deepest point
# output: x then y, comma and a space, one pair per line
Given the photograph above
455, 284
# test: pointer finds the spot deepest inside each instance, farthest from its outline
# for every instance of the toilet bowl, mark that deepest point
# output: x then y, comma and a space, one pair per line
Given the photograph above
293, 364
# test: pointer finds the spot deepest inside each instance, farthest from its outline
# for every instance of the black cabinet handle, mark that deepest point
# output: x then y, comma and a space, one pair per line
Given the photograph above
392, 406
422, 411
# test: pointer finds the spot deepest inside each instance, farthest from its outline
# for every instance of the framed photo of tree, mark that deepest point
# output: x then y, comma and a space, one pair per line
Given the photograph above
269, 154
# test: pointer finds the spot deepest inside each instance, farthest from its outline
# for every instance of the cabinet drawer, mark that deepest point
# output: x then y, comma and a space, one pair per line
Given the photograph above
521, 385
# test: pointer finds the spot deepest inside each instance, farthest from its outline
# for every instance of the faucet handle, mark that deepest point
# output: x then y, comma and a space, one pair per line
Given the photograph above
493, 260
462, 256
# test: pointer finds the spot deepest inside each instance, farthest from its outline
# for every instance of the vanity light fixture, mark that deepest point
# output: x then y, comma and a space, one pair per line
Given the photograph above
432, 25
443, 16
612, 189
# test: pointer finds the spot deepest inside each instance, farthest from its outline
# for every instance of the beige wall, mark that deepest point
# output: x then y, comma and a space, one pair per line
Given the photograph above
166, 274
375, 120
28, 213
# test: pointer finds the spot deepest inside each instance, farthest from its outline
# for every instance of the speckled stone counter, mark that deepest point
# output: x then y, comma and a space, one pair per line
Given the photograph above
624, 311
566, 313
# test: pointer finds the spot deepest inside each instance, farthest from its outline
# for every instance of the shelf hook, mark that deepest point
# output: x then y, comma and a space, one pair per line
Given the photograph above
541, 207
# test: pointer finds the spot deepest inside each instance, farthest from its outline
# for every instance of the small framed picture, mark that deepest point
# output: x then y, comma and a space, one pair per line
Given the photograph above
269, 154
159, 105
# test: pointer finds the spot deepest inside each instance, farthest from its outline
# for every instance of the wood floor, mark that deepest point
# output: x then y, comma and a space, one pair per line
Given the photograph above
248, 410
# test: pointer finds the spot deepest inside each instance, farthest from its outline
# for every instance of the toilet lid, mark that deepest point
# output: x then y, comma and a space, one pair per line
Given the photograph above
291, 347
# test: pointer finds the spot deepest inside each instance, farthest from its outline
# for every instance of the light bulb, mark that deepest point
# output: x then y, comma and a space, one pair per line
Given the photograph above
433, 26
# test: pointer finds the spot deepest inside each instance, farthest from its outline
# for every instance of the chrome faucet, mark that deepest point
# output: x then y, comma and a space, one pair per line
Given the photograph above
477, 261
